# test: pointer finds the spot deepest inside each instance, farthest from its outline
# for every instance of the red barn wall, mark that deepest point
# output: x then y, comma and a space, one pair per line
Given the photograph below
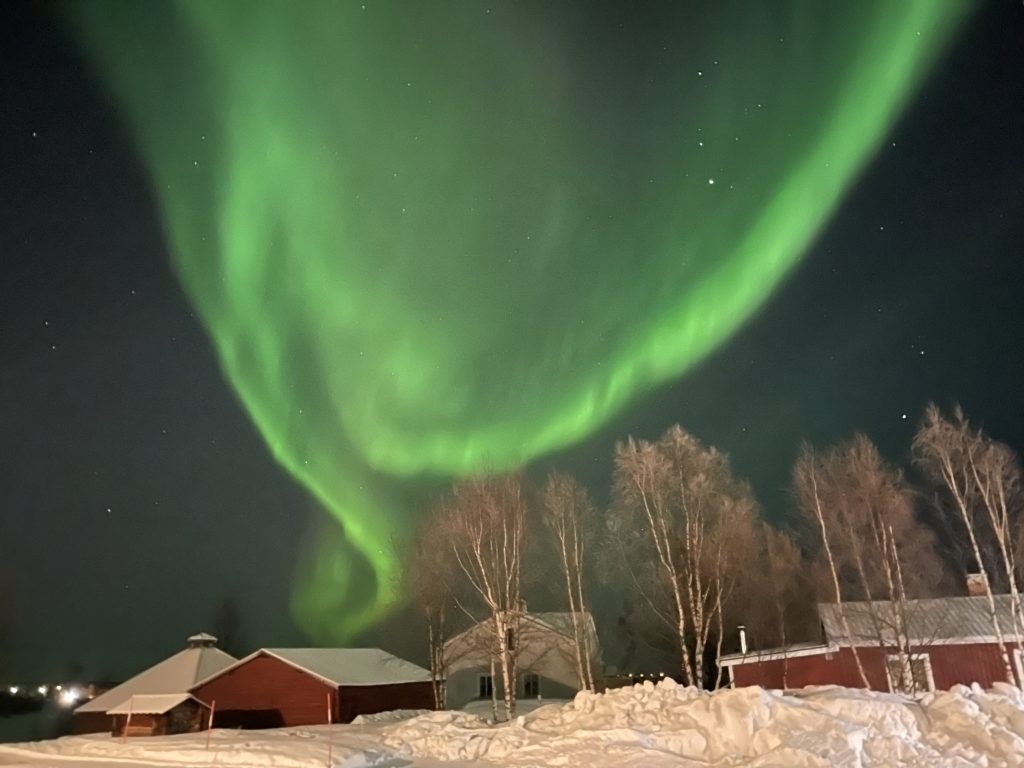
265, 692
965, 664
370, 699
92, 722
951, 665
838, 668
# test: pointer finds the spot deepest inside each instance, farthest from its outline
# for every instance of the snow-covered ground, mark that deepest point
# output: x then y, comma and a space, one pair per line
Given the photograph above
647, 725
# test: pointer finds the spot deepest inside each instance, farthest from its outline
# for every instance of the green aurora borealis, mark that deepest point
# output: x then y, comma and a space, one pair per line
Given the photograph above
433, 239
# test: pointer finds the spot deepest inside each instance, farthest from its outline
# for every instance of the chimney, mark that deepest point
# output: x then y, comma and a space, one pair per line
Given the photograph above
202, 640
743, 638
975, 584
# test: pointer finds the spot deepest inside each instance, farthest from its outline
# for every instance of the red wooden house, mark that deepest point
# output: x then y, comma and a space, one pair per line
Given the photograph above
276, 687
952, 641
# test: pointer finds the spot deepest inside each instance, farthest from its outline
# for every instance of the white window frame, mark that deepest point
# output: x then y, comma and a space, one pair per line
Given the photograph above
536, 677
929, 676
1018, 664
484, 682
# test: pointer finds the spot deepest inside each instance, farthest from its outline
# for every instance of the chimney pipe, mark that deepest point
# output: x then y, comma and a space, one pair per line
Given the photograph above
743, 639
975, 584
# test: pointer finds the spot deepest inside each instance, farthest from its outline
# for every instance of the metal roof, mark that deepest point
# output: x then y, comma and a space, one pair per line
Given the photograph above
557, 622
151, 704
174, 675
342, 666
795, 650
936, 620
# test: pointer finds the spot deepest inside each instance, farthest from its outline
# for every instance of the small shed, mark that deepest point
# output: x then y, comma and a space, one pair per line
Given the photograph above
159, 715
172, 676
277, 687
952, 641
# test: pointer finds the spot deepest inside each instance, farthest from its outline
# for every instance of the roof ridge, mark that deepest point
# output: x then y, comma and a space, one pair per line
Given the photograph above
196, 660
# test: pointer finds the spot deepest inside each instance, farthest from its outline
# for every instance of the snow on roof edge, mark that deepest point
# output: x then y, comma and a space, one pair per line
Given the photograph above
151, 704
281, 654
156, 677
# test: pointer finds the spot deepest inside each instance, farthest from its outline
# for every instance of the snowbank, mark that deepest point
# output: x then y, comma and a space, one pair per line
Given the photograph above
393, 716
666, 724
647, 725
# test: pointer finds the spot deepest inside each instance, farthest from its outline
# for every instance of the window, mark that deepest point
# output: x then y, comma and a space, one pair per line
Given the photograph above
486, 686
915, 680
531, 686
1018, 664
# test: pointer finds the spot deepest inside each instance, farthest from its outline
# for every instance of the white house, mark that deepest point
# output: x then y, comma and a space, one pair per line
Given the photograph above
547, 659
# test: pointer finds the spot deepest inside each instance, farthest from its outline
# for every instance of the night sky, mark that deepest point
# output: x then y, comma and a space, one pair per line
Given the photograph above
248, 294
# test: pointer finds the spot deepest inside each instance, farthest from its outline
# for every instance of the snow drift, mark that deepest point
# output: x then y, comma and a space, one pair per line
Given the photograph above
646, 725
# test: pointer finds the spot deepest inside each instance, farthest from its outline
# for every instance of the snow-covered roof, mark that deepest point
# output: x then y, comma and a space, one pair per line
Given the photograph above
773, 654
151, 704
344, 666
174, 675
558, 622
561, 621
935, 620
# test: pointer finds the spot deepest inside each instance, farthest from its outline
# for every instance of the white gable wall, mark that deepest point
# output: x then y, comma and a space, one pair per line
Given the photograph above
542, 651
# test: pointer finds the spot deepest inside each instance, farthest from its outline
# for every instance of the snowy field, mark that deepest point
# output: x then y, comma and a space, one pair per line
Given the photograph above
650, 726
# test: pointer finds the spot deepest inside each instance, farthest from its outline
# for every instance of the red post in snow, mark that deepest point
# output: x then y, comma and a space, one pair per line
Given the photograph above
330, 746
209, 724
128, 721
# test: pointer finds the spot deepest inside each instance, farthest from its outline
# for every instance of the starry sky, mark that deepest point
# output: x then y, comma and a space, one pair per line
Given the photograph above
202, 379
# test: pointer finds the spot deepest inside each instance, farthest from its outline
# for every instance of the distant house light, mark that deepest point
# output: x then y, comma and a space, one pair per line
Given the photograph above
69, 697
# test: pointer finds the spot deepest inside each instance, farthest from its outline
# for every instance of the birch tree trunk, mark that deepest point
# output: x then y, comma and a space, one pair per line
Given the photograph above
484, 523
679, 507
990, 472
568, 510
945, 449
807, 481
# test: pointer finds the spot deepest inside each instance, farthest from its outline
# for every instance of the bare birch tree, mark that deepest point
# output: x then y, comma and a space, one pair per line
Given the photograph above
483, 521
569, 513
982, 481
777, 608
806, 483
679, 520
864, 513
429, 583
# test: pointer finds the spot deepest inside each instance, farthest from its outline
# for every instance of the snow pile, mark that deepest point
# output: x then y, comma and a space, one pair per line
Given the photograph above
665, 724
279, 747
654, 726
393, 716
